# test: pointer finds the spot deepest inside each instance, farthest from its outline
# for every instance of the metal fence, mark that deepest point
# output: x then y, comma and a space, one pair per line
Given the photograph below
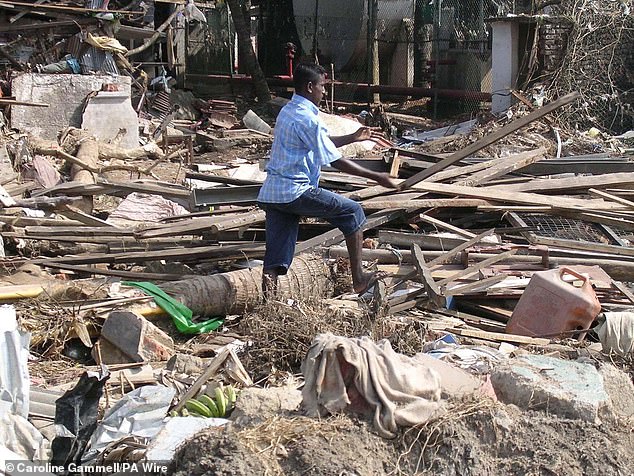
443, 46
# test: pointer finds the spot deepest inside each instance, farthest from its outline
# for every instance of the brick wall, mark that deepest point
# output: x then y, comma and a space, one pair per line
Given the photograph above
553, 41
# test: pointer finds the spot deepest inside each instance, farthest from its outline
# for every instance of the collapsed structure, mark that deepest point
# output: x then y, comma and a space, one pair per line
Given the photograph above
132, 244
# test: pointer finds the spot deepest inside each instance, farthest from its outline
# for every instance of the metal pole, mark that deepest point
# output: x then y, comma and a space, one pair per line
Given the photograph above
437, 14
315, 31
332, 88
375, 50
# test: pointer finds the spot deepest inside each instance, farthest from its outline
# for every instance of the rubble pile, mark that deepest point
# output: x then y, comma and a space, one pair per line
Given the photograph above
134, 326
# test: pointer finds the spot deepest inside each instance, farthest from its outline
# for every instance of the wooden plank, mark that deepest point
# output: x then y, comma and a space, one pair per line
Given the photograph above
494, 194
499, 337
459, 171
396, 163
471, 270
489, 139
504, 166
335, 236
446, 226
78, 231
16, 220
212, 224
569, 184
13, 102
444, 258
624, 289
382, 203
216, 252
211, 370
582, 245
475, 286
433, 291
515, 208
609, 196
119, 273
75, 213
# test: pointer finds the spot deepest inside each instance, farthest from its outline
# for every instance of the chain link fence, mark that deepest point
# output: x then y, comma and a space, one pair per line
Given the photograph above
440, 47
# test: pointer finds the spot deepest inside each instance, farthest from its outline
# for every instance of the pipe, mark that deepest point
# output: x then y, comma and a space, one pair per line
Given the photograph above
375, 88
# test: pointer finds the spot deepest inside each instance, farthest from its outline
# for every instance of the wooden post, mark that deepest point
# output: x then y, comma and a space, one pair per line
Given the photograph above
374, 48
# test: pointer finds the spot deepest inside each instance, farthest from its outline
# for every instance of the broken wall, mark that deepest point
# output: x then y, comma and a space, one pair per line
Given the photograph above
64, 94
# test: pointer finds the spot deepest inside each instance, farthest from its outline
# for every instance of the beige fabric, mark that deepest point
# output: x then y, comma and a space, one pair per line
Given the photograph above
617, 332
362, 376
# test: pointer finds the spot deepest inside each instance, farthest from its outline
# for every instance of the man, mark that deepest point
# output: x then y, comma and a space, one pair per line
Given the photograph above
291, 189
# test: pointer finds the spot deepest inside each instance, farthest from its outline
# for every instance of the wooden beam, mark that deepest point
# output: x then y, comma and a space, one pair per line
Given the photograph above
444, 258
394, 202
211, 370
581, 183
503, 166
489, 139
433, 291
475, 286
495, 194
471, 270
445, 226
609, 196
498, 336
335, 236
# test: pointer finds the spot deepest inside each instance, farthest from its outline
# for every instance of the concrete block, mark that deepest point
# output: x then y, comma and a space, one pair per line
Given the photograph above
109, 116
561, 387
620, 388
454, 382
254, 405
129, 337
65, 95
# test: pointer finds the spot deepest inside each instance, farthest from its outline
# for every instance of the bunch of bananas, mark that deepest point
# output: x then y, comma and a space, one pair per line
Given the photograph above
204, 406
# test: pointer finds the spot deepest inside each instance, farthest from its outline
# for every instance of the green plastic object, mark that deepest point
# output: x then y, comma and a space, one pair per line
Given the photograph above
181, 314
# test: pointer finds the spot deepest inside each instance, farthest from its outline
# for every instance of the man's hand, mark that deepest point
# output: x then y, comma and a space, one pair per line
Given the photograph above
385, 180
370, 133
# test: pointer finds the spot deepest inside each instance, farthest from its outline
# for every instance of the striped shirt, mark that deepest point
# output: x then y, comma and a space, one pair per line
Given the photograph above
300, 147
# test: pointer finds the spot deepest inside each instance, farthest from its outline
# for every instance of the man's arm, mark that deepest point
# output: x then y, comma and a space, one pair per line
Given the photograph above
349, 167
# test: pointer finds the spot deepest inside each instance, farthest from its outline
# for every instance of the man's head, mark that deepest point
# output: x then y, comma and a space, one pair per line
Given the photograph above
309, 80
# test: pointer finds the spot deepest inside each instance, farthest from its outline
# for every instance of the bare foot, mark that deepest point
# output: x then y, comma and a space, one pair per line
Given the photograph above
367, 281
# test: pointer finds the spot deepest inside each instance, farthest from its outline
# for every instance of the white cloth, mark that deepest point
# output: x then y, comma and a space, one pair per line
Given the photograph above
617, 332
363, 376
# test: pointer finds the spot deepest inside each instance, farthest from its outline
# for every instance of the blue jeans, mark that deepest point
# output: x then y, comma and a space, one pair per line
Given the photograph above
282, 222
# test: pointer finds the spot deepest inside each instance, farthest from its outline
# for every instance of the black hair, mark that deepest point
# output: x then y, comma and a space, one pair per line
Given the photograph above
305, 73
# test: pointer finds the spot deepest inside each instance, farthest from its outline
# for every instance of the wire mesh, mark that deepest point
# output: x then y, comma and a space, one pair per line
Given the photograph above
567, 229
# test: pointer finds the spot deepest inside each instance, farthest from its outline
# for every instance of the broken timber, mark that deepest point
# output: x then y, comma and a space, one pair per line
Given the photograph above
473, 148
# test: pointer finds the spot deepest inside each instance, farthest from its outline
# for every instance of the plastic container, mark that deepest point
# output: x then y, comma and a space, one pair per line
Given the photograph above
551, 305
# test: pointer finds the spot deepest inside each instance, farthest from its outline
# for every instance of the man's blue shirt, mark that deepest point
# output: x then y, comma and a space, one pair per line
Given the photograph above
300, 147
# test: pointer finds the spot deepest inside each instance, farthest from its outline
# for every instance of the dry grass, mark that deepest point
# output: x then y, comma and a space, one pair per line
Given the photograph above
418, 439
282, 333
271, 435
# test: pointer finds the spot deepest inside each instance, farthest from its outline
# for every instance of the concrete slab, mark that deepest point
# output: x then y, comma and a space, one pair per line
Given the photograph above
109, 116
620, 388
65, 95
454, 382
561, 387
129, 337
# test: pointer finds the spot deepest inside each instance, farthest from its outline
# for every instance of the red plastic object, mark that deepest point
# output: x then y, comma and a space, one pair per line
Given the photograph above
550, 305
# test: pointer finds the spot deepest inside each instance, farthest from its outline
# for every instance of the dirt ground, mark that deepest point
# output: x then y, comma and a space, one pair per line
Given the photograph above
474, 438
483, 439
